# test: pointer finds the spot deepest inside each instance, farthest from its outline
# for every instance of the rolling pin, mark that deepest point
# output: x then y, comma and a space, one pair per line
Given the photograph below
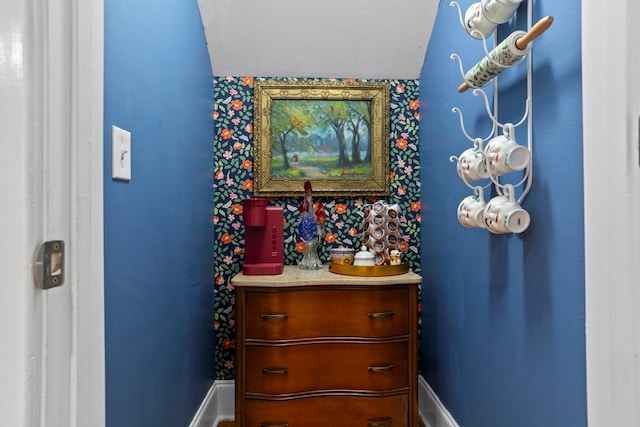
507, 53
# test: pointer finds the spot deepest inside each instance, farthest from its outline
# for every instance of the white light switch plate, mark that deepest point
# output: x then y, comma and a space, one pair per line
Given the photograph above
121, 149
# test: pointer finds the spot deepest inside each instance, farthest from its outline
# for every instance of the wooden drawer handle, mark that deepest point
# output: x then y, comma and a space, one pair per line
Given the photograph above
280, 316
380, 422
268, 371
382, 315
275, 425
381, 368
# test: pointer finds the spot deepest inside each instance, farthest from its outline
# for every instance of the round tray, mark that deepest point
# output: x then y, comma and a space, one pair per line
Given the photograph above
370, 271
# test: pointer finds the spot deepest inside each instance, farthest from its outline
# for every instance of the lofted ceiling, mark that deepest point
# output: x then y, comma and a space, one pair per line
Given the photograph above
363, 39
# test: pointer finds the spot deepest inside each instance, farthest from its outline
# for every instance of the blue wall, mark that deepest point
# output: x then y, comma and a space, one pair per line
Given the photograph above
503, 341
158, 228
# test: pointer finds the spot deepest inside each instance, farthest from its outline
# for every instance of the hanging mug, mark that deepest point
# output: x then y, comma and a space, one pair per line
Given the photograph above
503, 214
476, 24
471, 210
499, 11
471, 165
505, 155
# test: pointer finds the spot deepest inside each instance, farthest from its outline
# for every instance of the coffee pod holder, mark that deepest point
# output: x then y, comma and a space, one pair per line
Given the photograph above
511, 51
381, 230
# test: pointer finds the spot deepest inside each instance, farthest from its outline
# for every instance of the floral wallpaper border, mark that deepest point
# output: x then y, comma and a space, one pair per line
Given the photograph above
233, 182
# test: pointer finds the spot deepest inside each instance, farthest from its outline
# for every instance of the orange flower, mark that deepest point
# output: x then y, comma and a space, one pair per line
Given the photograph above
215, 115
226, 133
236, 104
399, 88
237, 146
247, 184
392, 176
236, 208
227, 343
401, 143
419, 218
404, 246
216, 218
417, 116
249, 128
219, 175
353, 232
226, 238
247, 164
414, 104
350, 80
237, 251
330, 237
219, 280
300, 247
247, 81
341, 208
402, 191
415, 206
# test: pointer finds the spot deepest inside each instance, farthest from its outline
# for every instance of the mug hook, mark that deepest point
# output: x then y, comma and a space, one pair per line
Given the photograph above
509, 131
510, 191
478, 191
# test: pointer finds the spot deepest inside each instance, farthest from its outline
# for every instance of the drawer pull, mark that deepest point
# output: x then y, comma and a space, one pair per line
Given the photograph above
380, 422
275, 425
385, 314
268, 371
381, 368
280, 316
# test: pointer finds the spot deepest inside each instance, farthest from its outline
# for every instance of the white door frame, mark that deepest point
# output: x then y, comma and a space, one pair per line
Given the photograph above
88, 405
77, 64
51, 103
610, 69
68, 53
16, 242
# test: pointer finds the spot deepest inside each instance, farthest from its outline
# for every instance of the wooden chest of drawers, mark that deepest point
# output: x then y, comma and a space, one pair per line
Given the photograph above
318, 349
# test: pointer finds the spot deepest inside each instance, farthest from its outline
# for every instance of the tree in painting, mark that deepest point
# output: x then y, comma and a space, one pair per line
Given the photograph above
331, 134
359, 118
289, 122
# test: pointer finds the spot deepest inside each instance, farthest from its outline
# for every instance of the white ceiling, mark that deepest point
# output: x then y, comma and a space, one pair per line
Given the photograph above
364, 39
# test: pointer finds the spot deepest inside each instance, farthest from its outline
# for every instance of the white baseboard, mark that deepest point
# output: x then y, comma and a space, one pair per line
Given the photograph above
219, 404
432, 411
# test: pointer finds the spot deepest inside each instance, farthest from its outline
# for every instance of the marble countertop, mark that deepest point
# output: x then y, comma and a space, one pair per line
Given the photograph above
294, 276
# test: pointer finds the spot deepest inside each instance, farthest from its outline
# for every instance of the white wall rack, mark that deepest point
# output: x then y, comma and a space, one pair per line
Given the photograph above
487, 71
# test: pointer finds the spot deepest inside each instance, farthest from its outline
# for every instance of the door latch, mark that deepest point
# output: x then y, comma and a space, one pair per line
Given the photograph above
49, 264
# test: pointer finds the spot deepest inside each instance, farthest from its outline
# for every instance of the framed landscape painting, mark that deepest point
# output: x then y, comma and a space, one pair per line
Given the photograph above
335, 134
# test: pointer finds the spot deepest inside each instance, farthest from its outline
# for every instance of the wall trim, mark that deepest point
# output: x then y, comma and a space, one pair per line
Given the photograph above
611, 107
218, 405
432, 412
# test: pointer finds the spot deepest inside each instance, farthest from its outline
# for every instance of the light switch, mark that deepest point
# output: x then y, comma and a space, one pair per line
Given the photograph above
121, 153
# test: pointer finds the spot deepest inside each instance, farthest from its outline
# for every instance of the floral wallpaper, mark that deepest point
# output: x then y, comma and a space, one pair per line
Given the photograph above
233, 182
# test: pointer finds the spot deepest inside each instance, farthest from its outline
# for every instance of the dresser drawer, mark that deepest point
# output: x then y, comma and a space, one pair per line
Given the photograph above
301, 368
291, 314
328, 411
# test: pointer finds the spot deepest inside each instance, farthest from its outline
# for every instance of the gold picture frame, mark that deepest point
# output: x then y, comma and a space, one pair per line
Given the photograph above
335, 134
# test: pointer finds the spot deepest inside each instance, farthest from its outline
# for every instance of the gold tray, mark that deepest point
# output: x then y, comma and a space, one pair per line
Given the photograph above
369, 270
